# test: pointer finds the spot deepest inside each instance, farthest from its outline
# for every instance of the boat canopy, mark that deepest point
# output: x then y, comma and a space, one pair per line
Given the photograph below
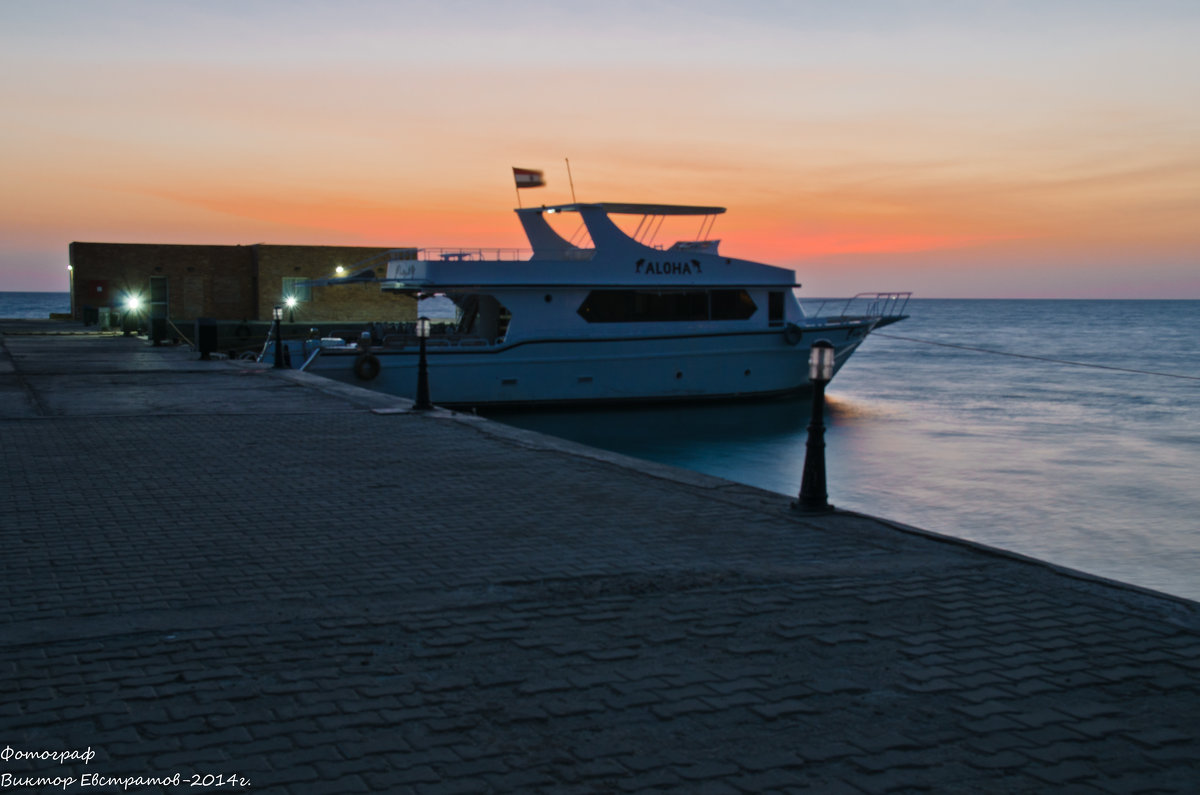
605, 234
626, 208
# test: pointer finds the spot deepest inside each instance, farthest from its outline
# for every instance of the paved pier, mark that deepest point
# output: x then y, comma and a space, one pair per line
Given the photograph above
214, 569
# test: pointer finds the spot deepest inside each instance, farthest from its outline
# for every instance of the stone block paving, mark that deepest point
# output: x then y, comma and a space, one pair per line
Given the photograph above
257, 576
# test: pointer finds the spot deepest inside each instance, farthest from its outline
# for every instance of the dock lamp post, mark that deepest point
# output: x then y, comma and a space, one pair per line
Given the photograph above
813, 496
291, 305
277, 316
130, 319
422, 403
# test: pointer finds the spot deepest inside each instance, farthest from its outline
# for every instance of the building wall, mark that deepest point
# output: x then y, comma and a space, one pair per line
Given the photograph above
350, 302
202, 280
232, 282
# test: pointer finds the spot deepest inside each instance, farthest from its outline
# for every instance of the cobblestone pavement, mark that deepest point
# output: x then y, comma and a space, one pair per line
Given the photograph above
219, 570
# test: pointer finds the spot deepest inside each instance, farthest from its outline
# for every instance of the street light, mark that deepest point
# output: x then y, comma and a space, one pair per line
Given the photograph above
129, 320
422, 403
291, 305
813, 496
277, 316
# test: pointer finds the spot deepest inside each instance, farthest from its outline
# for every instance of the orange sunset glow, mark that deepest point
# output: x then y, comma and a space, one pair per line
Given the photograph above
951, 149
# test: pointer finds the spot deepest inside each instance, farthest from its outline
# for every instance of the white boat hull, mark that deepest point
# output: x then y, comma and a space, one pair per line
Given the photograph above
736, 365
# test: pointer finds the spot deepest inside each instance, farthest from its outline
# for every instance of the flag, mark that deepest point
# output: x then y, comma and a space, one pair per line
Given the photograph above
528, 178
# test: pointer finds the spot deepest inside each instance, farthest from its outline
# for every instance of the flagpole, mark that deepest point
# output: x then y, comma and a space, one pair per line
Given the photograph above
570, 180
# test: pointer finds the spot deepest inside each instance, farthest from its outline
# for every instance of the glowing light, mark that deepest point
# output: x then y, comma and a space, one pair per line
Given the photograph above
339, 270
133, 303
290, 301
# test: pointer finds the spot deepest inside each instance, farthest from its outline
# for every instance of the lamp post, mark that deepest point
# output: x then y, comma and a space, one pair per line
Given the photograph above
129, 320
277, 316
813, 496
291, 305
422, 403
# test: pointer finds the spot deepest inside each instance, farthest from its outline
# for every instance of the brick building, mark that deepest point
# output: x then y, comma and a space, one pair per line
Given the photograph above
240, 283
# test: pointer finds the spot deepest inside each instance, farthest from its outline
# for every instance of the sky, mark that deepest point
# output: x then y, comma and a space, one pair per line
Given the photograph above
954, 148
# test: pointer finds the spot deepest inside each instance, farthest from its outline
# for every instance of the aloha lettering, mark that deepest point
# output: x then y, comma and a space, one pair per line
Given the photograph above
667, 268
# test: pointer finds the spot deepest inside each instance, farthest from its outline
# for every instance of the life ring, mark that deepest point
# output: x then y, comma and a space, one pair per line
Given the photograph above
792, 334
366, 366
242, 332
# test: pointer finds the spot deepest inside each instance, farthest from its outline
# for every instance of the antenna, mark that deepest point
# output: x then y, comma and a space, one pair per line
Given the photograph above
570, 180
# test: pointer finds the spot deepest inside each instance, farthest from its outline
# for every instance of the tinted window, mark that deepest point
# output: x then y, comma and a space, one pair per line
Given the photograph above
644, 306
732, 305
775, 308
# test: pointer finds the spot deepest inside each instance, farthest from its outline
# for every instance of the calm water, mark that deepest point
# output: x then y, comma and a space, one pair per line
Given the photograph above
1090, 468
33, 305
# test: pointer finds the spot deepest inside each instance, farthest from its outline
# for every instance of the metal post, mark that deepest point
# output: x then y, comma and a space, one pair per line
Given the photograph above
423, 403
278, 317
813, 495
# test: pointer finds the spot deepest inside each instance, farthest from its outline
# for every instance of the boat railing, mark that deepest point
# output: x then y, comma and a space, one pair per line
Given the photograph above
496, 254
472, 254
887, 306
448, 340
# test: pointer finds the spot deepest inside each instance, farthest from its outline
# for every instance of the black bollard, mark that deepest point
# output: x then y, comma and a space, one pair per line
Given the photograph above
813, 495
277, 314
423, 403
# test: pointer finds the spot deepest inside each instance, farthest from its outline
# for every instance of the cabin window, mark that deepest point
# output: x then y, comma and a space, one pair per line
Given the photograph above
775, 308
732, 305
482, 316
646, 306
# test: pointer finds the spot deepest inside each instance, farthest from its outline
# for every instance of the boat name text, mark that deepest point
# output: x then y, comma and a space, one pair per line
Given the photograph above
667, 268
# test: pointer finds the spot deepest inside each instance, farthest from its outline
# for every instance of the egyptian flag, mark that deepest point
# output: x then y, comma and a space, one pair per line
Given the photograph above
528, 178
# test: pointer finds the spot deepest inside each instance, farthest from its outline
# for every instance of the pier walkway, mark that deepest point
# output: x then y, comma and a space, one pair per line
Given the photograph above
295, 586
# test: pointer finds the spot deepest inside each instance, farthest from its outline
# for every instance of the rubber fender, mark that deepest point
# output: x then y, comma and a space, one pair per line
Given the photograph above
366, 366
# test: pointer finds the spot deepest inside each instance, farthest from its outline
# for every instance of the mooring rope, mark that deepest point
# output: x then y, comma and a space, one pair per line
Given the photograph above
1039, 358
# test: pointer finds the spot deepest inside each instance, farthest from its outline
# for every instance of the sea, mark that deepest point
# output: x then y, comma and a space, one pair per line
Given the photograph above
1065, 430
33, 305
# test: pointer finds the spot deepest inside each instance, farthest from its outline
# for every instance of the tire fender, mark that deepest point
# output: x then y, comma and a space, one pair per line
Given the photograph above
366, 366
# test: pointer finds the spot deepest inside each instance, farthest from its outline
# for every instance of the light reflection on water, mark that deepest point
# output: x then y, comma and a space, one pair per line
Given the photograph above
1091, 469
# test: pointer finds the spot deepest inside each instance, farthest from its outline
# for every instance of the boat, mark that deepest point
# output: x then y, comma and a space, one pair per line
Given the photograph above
606, 316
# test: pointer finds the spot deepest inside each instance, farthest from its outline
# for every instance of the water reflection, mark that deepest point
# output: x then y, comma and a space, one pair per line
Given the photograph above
690, 425
635, 428
759, 443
